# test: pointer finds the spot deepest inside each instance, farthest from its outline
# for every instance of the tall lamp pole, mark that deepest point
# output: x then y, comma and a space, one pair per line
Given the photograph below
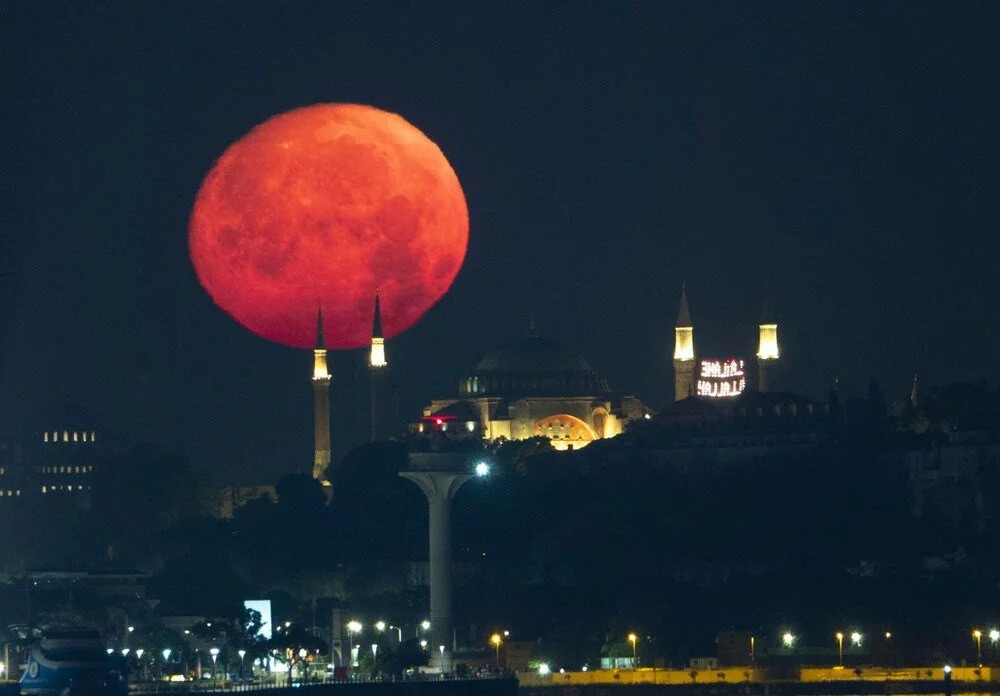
840, 646
978, 635
632, 638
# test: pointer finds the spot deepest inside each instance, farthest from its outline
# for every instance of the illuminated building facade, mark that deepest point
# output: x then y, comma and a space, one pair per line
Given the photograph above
720, 378
321, 404
534, 387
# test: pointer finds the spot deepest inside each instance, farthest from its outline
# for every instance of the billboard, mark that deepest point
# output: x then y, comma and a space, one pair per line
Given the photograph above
721, 378
264, 607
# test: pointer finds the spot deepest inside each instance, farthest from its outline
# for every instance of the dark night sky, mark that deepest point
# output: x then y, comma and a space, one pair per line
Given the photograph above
846, 153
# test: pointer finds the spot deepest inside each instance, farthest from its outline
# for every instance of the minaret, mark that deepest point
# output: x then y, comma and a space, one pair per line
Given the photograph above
767, 346
321, 403
683, 350
378, 369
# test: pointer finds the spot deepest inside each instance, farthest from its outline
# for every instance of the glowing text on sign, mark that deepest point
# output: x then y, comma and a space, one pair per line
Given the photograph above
721, 378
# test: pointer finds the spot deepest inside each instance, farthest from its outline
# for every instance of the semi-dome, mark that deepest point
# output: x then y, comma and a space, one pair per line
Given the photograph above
533, 365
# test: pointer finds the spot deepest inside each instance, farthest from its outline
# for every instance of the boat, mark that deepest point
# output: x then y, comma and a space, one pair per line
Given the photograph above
71, 660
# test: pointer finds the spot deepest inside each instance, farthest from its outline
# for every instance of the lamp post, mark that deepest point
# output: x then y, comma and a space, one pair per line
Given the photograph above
496, 640
353, 628
214, 652
840, 646
399, 633
978, 635
788, 640
242, 653
753, 651
632, 638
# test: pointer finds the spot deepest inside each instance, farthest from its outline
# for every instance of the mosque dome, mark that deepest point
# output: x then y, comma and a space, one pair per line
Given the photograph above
533, 365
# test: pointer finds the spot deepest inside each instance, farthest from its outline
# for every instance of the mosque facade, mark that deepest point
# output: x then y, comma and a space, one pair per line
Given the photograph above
534, 387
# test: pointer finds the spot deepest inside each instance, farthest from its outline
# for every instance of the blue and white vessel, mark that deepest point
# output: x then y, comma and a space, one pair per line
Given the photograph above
72, 660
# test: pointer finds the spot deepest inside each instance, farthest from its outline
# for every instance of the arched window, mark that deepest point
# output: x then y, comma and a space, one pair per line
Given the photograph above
46, 436
65, 436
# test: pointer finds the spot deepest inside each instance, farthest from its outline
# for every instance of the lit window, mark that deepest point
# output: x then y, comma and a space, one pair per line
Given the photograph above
91, 435
65, 436
44, 490
46, 435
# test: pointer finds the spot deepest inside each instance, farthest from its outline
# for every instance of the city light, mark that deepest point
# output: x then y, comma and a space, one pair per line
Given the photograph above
166, 654
721, 378
496, 640
354, 626
425, 624
632, 638
994, 635
380, 626
543, 669
482, 469
788, 639
423, 644
856, 638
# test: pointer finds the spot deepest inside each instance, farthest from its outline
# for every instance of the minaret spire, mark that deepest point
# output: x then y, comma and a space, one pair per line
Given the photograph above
321, 402
914, 397
684, 359
376, 357
378, 368
767, 345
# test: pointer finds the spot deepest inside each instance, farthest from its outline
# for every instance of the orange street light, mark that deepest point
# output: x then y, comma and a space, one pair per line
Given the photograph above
632, 638
496, 640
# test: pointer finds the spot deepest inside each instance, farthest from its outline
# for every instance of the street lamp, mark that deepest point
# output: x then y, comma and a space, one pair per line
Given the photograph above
380, 626
496, 640
425, 624
242, 653
632, 638
753, 652
124, 652
482, 469
166, 654
353, 628
399, 633
374, 651
840, 646
788, 640
423, 645
978, 635
214, 652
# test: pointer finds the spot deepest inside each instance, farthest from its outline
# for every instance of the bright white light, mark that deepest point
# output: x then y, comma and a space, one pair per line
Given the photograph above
856, 638
166, 654
995, 635
423, 644
482, 468
139, 653
562, 670
425, 624
543, 668
470, 425
947, 669
354, 626
124, 652
214, 652
380, 625
110, 650
585, 668
241, 653
788, 639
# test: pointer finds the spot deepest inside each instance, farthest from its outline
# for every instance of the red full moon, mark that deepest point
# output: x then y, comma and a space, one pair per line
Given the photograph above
321, 206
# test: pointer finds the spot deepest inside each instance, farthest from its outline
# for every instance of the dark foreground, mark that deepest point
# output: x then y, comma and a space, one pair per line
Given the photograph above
789, 688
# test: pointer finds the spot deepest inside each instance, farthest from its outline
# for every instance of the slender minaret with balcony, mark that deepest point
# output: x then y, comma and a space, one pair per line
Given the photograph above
378, 369
767, 347
321, 403
684, 359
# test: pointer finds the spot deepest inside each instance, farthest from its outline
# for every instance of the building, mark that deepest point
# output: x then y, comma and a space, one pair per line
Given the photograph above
534, 387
